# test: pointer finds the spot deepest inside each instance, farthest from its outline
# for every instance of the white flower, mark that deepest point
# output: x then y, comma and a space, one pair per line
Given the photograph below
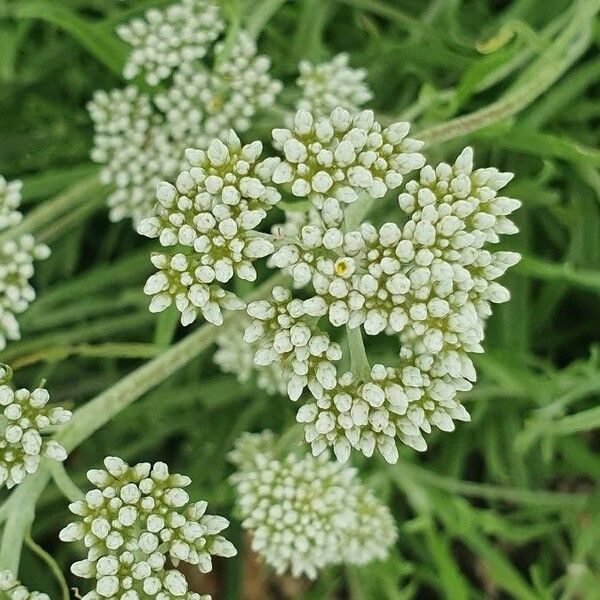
23, 443
134, 146
16, 263
166, 39
135, 520
16, 270
212, 210
13, 590
203, 104
10, 200
306, 513
289, 337
430, 282
331, 84
343, 155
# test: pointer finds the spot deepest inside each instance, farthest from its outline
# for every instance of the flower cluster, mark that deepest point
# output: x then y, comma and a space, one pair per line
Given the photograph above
136, 523
13, 590
22, 444
140, 138
211, 212
10, 200
429, 281
326, 86
166, 39
17, 255
306, 513
203, 104
343, 155
133, 143
425, 278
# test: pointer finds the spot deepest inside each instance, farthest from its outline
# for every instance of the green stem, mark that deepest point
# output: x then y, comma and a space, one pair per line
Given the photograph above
18, 510
560, 501
108, 350
359, 363
52, 565
52, 209
541, 269
261, 16
567, 48
64, 483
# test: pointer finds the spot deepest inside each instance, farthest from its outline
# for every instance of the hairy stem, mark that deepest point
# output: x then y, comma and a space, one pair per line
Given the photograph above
18, 510
52, 565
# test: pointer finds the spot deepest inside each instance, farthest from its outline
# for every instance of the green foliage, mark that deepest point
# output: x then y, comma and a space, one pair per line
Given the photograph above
506, 506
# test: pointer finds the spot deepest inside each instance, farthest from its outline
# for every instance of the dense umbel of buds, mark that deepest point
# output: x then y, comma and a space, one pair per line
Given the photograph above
203, 104
166, 39
140, 138
138, 523
17, 255
211, 213
10, 200
430, 281
306, 513
11, 589
344, 155
426, 277
26, 417
326, 86
133, 144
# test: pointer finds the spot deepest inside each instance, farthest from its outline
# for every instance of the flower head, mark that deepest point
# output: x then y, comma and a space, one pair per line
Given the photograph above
17, 255
135, 520
306, 513
326, 86
429, 281
343, 155
13, 590
166, 39
23, 443
10, 200
134, 145
203, 104
212, 212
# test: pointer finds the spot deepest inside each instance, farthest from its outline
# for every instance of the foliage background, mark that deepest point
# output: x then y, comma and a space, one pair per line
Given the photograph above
507, 506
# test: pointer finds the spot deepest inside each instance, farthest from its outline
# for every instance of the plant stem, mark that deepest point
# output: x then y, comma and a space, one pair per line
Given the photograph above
53, 566
108, 350
64, 483
558, 500
359, 363
49, 211
567, 48
541, 269
18, 510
